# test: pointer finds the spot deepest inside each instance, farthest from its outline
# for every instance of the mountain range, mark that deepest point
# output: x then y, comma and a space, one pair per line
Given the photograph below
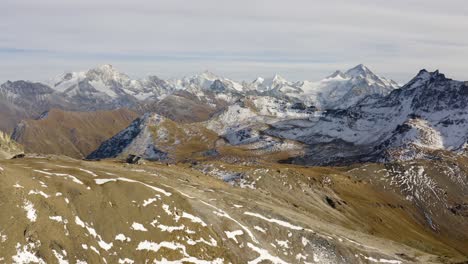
351, 116
105, 88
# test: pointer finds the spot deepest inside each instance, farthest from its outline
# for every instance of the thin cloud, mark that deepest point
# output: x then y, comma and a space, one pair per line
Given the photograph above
298, 39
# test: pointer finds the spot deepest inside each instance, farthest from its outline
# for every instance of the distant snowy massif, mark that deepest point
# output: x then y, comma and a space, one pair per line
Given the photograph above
350, 116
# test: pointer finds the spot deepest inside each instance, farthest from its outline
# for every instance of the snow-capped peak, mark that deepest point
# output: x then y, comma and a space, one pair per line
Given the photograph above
337, 74
424, 74
107, 73
208, 75
266, 84
105, 67
259, 80
423, 78
360, 71
278, 79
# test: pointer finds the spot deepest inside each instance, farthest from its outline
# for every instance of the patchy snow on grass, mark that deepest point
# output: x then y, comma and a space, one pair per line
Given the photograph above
264, 255
3, 238
150, 201
222, 213
138, 227
282, 243
18, 186
31, 213
381, 260
73, 178
211, 243
232, 235
60, 219
122, 238
43, 194
89, 172
194, 219
60, 256
190, 259
169, 212
95, 250
57, 218
155, 247
126, 261
260, 229
275, 221
103, 181
104, 245
170, 229
152, 246
25, 254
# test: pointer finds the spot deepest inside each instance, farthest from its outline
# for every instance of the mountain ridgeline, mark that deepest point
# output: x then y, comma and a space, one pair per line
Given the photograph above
348, 117
188, 99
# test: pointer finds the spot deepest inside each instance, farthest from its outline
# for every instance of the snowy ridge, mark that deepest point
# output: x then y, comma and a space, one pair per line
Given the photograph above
429, 113
104, 87
342, 90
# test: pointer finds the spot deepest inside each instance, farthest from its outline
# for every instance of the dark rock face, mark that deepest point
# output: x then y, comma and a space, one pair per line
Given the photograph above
459, 209
134, 141
115, 145
132, 159
24, 88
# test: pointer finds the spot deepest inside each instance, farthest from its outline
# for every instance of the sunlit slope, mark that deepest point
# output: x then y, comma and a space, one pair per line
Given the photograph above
98, 212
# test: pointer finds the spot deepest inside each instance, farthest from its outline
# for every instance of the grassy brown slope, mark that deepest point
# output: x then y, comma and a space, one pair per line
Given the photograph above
355, 200
185, 107
183, 141
74, 134
285, 215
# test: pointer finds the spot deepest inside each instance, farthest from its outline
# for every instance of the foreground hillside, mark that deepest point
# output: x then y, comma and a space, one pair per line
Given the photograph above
62, 210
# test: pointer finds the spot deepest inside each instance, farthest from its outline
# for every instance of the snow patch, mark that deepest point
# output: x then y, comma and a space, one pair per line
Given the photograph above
138, 227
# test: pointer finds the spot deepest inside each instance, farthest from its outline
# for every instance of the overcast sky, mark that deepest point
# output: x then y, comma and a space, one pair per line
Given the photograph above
241, 39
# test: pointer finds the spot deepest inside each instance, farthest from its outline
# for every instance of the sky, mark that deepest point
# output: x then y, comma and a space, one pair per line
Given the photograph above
241, 39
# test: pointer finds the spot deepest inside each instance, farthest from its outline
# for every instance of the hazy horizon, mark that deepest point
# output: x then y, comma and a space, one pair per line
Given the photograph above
300, 40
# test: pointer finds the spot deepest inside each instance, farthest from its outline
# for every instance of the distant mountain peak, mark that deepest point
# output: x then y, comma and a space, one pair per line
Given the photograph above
259, 80
105, 67
337, 73
107, 72
278, 78
208, 75
359, 71
426, 76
